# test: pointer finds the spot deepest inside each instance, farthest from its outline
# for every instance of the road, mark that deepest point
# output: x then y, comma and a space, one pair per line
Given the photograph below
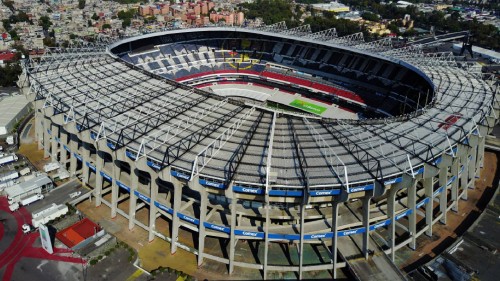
59, 195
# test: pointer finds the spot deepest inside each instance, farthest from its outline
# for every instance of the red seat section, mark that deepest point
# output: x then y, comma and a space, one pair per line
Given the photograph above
341, 93
317, 86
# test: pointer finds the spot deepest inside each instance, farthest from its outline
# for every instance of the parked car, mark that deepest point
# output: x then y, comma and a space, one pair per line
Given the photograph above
26, 228
75, 194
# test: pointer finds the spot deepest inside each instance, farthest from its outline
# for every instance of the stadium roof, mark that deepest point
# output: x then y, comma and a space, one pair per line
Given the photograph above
195, 133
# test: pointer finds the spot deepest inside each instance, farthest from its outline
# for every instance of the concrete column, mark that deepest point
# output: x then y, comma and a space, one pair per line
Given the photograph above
412, 218
203, 215
335, 228
176, 208
391, 212
266, 235
464, 178
152, 207
55, 146
46, 137
455, 168
73, 145
443, 197
232, 237
99, 165
85, 159
473, 141
301, 229
64, 152
429, 193
480, 153
114, 188
39, 129
366, 224
464, 167
134, 183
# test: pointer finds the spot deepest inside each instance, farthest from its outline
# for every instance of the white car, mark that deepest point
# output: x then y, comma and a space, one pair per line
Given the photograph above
26, 228
75, 194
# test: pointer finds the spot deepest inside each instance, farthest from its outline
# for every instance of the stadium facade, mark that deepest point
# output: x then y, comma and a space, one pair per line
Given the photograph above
241, 174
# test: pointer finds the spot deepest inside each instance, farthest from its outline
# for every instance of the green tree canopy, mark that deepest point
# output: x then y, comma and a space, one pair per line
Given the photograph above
81, 4
370, 16
271, 11
45, 22
9, 74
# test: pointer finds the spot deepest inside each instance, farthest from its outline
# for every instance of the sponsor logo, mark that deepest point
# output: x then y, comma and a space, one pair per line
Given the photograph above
217, 227
212, 184
250, 190
92, 167
320, 193
77, 156
121, 185
179, 175
104, 175
403, 214
246, 233
154, 166
423, 202
186, 218
361, 188
163, 207
380, 224
142, 197
349, 232
317, 236
392, 181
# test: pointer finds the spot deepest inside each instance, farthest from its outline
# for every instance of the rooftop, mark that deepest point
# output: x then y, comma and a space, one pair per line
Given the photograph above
27, 186
10, 106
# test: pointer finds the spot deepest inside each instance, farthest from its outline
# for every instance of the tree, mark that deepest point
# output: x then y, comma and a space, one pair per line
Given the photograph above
106, 26
9, 74
13, 35
23, 17
81, 4
20, 51
393, 27
6, 24
126, 23
45, 22
49, 42
271, 11
95, 16
126, 14
72, 36
370, 16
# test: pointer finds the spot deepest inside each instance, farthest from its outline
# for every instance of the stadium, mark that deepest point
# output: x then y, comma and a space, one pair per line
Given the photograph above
267, 148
